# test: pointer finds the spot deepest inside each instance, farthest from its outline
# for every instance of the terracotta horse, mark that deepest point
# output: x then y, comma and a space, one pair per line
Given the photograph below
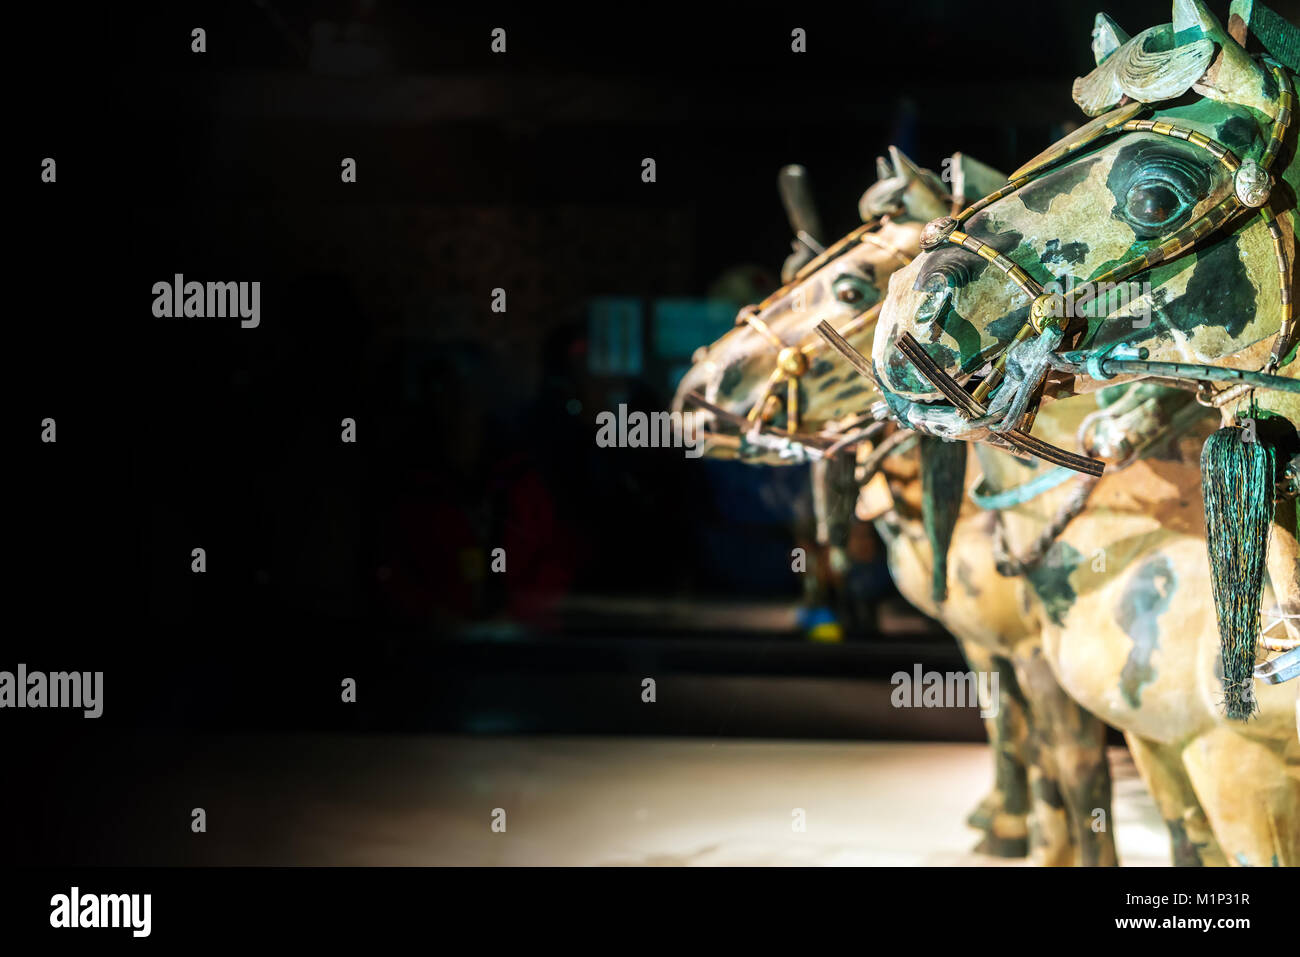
778, 395
1180, 196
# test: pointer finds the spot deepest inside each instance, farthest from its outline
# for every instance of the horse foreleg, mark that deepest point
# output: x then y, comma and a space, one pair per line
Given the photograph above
1003, 814
1076, 742
1250, 790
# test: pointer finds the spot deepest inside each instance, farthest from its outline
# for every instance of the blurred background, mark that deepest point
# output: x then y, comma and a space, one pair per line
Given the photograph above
475, 429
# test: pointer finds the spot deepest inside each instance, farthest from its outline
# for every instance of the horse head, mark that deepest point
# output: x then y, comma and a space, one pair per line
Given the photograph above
1154, 240
768, 385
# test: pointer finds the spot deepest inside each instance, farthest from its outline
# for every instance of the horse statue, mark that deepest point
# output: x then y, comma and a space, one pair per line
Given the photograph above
772, 394
1128, 292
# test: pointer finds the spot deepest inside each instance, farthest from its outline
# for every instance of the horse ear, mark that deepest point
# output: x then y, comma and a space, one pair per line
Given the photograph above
1194, 15
905, 190
1107, 37
885, 196
797, 199
926, 197
1232, 76
903, 165
801, 211
972, 179
1150, 67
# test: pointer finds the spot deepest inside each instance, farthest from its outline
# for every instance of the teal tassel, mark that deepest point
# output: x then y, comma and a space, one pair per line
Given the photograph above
1237, 482
943, 485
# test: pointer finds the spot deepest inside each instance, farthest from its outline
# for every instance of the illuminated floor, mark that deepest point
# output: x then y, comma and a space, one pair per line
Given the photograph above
631, 801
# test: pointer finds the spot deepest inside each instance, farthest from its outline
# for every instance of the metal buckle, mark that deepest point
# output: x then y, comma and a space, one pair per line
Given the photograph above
1282, 668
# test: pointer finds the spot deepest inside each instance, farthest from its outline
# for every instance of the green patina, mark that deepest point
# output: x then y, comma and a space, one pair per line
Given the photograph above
732, 376
1032, 263
1050, 580
943, 489
1145, 599
906, 375
969, 343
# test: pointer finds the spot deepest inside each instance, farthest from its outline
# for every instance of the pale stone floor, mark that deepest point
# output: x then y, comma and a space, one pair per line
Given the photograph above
423, 800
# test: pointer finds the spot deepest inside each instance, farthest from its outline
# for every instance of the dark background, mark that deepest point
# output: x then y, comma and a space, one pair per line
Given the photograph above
475, 429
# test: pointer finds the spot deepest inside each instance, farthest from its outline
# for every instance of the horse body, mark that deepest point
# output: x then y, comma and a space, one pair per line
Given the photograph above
1128, 627
1149, 192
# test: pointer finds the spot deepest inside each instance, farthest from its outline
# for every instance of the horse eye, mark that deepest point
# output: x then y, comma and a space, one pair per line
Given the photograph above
849, 289
1152, 207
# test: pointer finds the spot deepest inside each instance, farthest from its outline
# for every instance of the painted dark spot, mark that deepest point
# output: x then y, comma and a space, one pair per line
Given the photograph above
1219, 292
1186, 853
981, 227
731, 377
1054, 252
1038, 196
1005, 328
825, 384
850, 392
1050, 580
1237, 133
1048, 791
820, 367
965, 579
